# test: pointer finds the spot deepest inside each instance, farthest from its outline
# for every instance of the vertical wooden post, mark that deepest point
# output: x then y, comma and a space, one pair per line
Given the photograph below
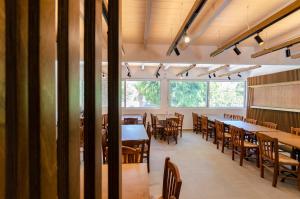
114, 71
68, 140
92, 99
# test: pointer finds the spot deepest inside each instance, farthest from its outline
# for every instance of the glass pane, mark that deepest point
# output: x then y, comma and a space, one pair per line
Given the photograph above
142, 93
188, 93
226, 94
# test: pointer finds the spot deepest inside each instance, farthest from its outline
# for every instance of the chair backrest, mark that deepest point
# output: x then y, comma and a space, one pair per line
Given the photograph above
130, 120
237, 117
104, 121
172, 124
268, 147
130, 155
144, 119
204, 122
270, 125
219, 129
295, 131
171, 181
226, 115
237, 136
250, 120
180, 117
177, 114
149, 132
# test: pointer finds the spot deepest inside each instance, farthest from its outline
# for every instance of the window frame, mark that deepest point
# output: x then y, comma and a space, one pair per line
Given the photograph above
141, 79
224, 107
187, 80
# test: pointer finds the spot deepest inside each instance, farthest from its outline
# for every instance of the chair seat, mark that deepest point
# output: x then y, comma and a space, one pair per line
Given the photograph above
285, 160
250, 145
227, 135
285, 148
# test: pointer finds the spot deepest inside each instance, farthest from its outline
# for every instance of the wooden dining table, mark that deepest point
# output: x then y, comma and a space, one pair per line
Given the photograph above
133, 132
138, 116
284, 138
249, 127
135, 181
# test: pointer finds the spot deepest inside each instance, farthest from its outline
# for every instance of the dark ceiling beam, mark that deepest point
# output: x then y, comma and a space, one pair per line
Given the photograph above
286, 11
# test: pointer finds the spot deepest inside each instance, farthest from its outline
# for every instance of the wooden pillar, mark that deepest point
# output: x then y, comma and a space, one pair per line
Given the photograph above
68, 58
92, 99
30, 130
114, 85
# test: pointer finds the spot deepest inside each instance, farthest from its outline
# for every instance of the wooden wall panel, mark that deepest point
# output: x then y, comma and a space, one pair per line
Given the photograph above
68, 99
47, 56
2, 100
92, 99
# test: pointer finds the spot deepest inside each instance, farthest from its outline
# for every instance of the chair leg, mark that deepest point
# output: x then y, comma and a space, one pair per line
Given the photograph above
242, 155
275, 176
233, 153
257, 158
207, 136
217, 144
299, 176
148, 162
262, 170
223, 145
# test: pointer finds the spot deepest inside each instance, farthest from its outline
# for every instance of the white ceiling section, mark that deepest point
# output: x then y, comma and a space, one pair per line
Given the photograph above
149, 27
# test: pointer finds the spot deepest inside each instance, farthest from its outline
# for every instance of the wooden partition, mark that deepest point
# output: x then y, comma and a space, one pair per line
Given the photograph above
275, 105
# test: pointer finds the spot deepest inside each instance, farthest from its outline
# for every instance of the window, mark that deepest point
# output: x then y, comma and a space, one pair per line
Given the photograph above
226, 94
187, 93
142, 93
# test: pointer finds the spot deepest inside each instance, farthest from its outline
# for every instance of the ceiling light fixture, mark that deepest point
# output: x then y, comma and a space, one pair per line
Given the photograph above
177, 51
239, 75
128, 69
214, 74
236, 50
157, 74
288, 52
259, 40
187, 73
209, 76
187, 39
229, 78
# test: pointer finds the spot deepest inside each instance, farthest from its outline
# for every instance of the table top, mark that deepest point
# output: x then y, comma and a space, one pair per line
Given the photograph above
249, 127
161, 117
135, 132
220, 118
285, 138
138, 116
135, 181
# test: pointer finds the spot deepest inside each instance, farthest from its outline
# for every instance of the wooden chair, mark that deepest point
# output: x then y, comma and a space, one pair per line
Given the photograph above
133, 152
240, 146
251, 121
130, 121
156, 127
147, 147
221, 135
171, 181
272, 160
205, 129
270, 125
195, 118
180, 124
171, 129
237, 117
144, 119
104, 121
226, 115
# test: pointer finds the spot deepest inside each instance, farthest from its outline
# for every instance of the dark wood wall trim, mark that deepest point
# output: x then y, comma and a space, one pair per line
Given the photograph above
68, 141
92, 99
11, 98
114, 71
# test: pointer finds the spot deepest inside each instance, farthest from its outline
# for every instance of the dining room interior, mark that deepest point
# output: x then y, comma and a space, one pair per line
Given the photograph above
149, 99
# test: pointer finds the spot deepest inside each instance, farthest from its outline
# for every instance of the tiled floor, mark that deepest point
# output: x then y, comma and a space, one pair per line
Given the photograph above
207, 173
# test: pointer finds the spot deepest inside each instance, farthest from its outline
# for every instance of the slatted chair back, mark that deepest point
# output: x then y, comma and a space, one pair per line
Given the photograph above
130, 120
172, 125
270, 125
132, 155
250, 120
204, 123
237, 136
219, 129
144, 119
268, 147
226, 115
295, 131
171, 181
149, 132
237, 117
195, 120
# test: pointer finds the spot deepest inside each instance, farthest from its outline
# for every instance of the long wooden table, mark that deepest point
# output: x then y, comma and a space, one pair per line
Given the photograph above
134, 132
249, 127
285, 138
135, 181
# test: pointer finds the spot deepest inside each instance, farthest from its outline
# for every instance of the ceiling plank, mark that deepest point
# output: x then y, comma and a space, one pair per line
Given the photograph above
259, 27
147, 22
186, 70
240, 70
276, 47
214, 70
295, 56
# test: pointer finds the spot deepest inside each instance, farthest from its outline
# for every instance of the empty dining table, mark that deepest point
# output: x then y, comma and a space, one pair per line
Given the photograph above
284, 138
248, 126
134, 132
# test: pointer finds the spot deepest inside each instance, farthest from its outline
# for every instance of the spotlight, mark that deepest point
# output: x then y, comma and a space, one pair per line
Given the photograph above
239, 75
214, 74
209, 76
229, 77
128, 74
236, 50
259, 40
187, 73
287, 52
187, 39
177, 51
103, 75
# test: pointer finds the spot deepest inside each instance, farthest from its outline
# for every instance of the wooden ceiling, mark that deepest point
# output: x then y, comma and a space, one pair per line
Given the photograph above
162, 19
